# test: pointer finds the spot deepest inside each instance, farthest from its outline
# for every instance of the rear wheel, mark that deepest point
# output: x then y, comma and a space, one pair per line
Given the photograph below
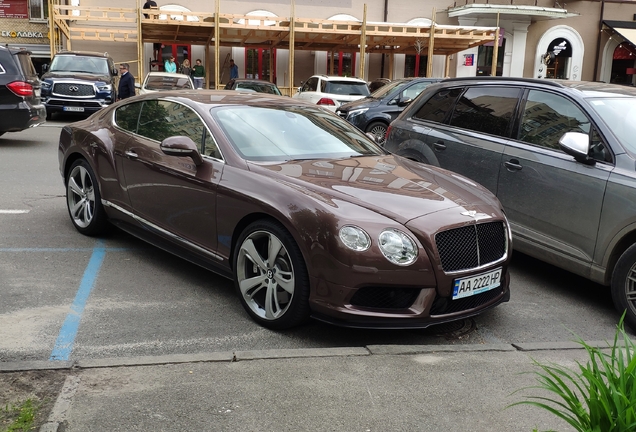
270, 276
83, 200
378, 129
624, 285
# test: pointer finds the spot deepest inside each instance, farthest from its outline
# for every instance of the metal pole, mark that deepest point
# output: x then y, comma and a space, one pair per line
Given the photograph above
217, 46
291, 49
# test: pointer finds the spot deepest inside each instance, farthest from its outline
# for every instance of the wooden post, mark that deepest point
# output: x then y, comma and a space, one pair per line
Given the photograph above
447, 67
495, 50
140, 44
217, 47
363, 43
292, 41
391, 58
431, 45
52, 29
271, 65
331, 53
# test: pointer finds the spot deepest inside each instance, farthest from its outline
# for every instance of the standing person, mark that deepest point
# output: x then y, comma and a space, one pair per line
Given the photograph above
126, 87
148, 5
170, 65
185, 68
198, 73
233, 70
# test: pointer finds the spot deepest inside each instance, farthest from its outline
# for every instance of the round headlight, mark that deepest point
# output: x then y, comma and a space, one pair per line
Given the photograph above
397, 247
355, 238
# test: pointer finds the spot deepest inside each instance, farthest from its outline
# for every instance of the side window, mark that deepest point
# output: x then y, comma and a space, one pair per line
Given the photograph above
413, 91
311, 84
162, 119
439, 105
127, 116
486, 109
547, 116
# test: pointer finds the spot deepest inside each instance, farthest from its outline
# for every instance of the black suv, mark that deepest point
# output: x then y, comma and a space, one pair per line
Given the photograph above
81, 82
20, 105
374, 113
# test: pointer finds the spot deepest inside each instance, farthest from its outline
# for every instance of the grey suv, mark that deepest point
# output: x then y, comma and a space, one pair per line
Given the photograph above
560, 156
80, 82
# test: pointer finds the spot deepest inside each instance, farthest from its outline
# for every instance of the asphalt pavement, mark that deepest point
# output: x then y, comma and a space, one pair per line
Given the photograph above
371, 388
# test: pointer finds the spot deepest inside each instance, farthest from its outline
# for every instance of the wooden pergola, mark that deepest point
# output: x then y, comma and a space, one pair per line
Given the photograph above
247, 31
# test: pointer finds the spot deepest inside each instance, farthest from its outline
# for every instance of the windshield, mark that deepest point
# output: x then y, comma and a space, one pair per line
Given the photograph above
71, 63
291, 133
258, 87
620, 116
167, 83
388, 88
350, 88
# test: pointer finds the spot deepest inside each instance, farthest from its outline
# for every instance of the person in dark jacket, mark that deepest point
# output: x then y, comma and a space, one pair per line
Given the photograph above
126, 83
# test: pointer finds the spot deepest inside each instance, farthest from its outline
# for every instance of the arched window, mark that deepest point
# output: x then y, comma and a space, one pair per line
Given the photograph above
344, 63
176, 17
415, 64
259, 64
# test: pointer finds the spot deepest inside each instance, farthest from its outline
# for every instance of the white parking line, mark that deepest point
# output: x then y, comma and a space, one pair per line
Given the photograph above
14, 211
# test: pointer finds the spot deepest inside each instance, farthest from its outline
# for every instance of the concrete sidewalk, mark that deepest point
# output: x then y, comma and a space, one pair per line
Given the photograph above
373, 388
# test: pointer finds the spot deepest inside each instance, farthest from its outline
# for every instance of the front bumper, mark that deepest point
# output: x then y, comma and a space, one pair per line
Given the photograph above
56, 104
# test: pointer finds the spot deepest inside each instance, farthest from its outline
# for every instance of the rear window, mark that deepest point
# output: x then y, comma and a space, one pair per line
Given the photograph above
346, 88
486, 109
258, 87
439, 105
167, 83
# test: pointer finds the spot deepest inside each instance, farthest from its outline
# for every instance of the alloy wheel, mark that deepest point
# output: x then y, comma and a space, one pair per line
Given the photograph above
265, 275
80, 195
379, 131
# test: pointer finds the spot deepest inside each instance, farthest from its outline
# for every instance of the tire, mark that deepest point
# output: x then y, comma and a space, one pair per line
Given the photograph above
275, 295
624, 285
378, 129
83, 200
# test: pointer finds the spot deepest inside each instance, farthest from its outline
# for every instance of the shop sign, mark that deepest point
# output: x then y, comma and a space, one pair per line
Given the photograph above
14, 9
22, 34
560, 47
469, 59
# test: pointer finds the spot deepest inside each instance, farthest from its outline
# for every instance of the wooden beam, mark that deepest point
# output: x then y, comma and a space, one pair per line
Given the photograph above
217, 48
431, 46
363, 42
495, 50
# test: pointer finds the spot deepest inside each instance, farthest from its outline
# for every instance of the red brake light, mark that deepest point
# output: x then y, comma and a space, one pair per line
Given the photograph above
325, 101
388, 131
20, 88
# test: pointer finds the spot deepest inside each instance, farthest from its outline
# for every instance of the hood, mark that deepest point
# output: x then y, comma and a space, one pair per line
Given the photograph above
76, 76
395, 187
367, 102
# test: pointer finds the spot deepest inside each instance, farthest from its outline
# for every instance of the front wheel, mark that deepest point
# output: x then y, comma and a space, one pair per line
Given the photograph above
378, 130
624, 285
270, 276
83, 200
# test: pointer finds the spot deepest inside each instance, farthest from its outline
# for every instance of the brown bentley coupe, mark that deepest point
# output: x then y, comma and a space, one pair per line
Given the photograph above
305, 213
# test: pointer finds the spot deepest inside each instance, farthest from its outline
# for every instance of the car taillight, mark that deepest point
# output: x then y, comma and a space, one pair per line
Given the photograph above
388, 131
325, 101
21, 88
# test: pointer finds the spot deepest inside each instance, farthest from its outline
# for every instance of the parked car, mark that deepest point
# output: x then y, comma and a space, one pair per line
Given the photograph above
332, 91
560, 156
374, 113
304, 212
253, 85
161, 81
79, 81
20, 105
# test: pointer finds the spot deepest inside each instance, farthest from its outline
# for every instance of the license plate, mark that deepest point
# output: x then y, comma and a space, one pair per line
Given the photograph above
471, 285
76, 109
37, 92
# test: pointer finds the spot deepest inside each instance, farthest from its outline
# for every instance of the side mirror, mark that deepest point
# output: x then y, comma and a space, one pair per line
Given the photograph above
577, 144
45, 67
402, 102
114, 72
137, 85
181, 146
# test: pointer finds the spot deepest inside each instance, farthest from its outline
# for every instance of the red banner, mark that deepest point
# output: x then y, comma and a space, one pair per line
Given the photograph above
14, 9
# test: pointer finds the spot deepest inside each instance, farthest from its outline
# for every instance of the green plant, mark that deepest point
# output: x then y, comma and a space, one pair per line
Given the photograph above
21, 416
598, 397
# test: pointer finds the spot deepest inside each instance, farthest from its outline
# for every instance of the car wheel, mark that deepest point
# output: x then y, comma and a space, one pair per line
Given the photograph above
270, 276
624, 285
83, 199
378, 129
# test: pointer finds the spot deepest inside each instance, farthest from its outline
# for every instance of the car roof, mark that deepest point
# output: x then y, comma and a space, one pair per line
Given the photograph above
260, 81
84, 53
339, 78
227, 97
167, 74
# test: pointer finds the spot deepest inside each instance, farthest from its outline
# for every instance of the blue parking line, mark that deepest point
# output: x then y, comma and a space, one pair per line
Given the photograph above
66, 338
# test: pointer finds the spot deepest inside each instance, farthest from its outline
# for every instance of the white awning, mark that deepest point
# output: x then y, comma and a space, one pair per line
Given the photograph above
535, 13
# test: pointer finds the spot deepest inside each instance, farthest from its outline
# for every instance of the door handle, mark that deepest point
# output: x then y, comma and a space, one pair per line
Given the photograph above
439, 146
513, 165
131, 154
